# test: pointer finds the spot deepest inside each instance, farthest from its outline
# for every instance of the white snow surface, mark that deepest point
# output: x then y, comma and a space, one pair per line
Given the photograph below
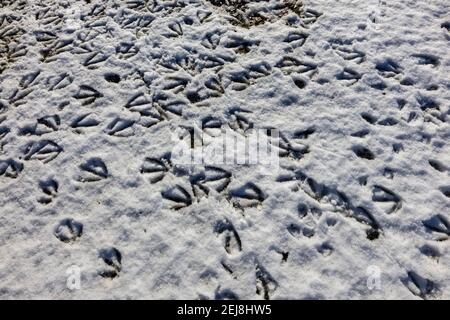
359, 90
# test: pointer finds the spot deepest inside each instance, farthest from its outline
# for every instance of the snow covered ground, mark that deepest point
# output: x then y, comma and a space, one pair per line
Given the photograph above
93, 94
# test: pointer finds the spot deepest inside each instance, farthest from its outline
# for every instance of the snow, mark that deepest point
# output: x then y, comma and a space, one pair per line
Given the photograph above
94, 93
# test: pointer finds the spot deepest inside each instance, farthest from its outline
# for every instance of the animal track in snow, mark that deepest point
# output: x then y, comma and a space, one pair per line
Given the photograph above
93, 170
212, 178
297, 231
437, 165
248, 195
350, 54
87, 95
289, 65
325, 249
426, 59
420, 286
44, 150
225, 294
43, 126
296, 38
231, 239
50, 189
68, 230
445, 191
349, 76
59, 81
388, 68
332, 199
438, 223
156, 168
385, 196
112, 258
10, 168
120, 127
294, 148
363, 152
85, 121
430, 251
265, 284
178, 196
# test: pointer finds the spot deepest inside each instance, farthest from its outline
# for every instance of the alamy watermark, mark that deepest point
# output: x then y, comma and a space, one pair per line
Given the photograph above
224, 146
73, 281
373, 278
